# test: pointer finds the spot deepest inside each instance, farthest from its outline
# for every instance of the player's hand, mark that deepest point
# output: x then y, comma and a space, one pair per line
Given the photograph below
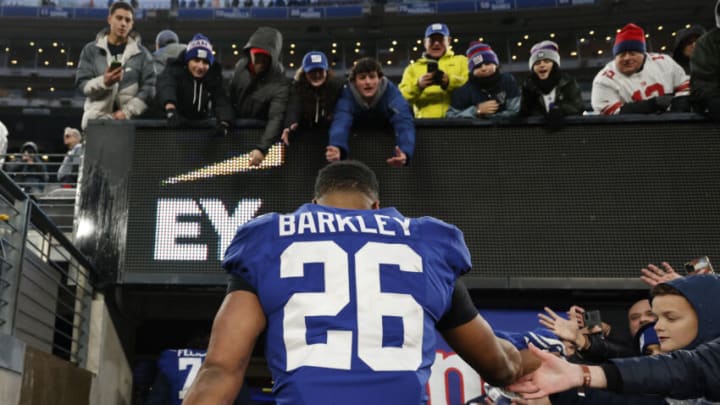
332, 153
256, 157
425, 80
399, 160
654, 275
487, 107
112, 76
119, 115
577, 312
554, 375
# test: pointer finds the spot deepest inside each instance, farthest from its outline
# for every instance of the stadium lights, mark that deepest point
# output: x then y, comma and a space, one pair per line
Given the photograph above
391, 49
389, 62
70, 63
40, 50
55, 44
334, 51
14, 62
455, 40
662, 48
47, 63
660, 28
519, 44
582, 40
687, 25
514, 57
62, 50
52, 89
394, 42
526, 36
415, 48
234, 46
673, 33
32, 43
7, 49
591, 32
292, 52
357, 50
28, 89
573, 53
552, 35
358, 44
647, 35
608, 38
617, 31
600, 52
334, 44
292, 45
235, 52
419, 41
412, 61
292, 64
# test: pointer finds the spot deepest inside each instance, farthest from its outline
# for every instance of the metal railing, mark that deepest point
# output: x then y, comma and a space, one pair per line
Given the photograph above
46, 284
39, 180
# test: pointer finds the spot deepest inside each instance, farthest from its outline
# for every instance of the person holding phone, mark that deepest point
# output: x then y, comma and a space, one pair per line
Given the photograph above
428, 83
125, 87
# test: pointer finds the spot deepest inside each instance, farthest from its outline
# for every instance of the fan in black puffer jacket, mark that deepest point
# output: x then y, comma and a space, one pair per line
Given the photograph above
549, 92
191, 87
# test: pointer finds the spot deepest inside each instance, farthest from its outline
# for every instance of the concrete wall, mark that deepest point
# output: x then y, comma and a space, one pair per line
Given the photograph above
50, 380
112, 382
12, 360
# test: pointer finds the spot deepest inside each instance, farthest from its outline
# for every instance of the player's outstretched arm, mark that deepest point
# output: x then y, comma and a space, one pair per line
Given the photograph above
496, 360
237, 325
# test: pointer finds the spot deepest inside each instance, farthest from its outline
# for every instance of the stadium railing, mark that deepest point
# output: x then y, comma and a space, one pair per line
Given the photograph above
46, 284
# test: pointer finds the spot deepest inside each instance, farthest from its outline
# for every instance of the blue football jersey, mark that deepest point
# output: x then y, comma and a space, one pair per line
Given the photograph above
180, 367
351, 299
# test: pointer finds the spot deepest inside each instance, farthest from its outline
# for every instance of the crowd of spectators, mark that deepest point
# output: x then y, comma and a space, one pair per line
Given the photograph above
122, 80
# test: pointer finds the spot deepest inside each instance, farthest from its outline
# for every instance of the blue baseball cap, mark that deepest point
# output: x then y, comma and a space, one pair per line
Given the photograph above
437, 28
314, 60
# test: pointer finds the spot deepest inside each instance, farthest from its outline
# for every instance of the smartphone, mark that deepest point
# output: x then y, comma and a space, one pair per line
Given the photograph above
699, 265
115, 64
432, 67
592, 319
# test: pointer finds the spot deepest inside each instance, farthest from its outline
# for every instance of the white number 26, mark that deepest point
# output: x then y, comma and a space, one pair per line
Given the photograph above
372, 305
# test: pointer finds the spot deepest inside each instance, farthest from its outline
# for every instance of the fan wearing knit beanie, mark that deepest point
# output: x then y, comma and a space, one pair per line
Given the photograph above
488, 92
548, 91
705, 82
637, 81
191, 88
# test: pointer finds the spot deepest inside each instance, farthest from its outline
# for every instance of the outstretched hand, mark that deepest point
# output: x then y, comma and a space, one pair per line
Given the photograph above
554, 375
565, 329
654, 275
399, 160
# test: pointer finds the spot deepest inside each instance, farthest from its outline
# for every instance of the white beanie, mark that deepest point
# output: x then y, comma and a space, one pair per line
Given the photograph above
544, 50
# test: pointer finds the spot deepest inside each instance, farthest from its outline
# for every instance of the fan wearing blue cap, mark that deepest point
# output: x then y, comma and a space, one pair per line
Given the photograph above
191, 88
313, 95
427, 83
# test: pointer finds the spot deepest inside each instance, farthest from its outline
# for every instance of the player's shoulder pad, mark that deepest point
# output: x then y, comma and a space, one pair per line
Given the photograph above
439, 229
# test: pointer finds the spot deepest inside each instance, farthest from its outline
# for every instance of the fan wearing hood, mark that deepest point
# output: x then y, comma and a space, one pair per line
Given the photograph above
30, 173
191, 88
705, 71
684, 46
259, 89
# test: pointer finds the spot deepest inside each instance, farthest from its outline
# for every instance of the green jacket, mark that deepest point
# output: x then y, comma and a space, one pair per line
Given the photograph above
433, 101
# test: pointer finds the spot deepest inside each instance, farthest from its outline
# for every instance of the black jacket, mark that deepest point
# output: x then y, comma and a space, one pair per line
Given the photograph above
705, 70
681, 40
262, 97
194, 98
567, 97
311, 107
682, 374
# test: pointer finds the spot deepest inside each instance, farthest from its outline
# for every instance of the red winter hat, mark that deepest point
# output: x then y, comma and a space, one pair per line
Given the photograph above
630, 38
